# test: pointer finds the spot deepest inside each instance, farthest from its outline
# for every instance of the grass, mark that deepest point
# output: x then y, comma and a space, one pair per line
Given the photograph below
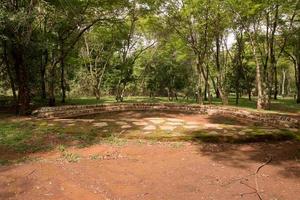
68, 156
258, 135
20, 138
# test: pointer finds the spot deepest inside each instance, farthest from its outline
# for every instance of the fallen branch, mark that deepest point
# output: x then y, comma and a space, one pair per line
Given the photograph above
255, 177
256, 189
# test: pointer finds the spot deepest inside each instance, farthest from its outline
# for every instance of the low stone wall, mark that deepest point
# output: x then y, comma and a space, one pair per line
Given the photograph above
81, 110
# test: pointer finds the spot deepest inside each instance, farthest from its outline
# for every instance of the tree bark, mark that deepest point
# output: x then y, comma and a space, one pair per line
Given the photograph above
23, 103
298, 73
62, 81
222, 93
273, 60
43, 74
283, 83
9, 72
52, 86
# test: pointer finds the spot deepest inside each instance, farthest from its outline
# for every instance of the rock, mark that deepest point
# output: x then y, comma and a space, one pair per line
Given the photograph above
100, 124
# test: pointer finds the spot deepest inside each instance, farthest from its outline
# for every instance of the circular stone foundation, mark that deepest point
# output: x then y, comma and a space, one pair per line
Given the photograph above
170, 125
267, 118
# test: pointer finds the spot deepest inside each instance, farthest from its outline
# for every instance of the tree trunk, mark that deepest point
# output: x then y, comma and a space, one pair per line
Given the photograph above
62, 81
43, 73
298, 74
297, 54
249, 94
261, 100
23, 103
9, 72
52, 86
62, 73
283, 83
199, 81
272, 55
222, 93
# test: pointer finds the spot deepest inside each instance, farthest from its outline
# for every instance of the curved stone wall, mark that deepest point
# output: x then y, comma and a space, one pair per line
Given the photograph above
81, 110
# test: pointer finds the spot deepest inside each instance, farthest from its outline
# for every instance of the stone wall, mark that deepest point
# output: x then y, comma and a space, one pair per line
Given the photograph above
280, 120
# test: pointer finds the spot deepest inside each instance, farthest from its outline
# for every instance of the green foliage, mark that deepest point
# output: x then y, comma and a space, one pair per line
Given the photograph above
158, 48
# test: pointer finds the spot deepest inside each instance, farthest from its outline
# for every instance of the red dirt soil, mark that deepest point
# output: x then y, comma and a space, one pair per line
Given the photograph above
158, 171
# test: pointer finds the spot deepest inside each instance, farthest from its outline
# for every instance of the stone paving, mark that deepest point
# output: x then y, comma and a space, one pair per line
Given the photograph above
171, 124
148, 125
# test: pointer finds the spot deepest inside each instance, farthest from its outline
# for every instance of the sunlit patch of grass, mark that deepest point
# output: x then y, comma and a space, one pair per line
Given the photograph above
68, 156
114, 140
177, 145
22, 137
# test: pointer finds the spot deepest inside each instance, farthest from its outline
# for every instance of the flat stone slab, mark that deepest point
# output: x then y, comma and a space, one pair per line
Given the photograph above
100, 124
129, 120
156, 120
64, 120
174, 123
213, 133
149, 128
107, 120
126, 126
84, 120
191, 127
167, 128
217, 126
175, 120
121, 123
140, 123
242, 133
193, 123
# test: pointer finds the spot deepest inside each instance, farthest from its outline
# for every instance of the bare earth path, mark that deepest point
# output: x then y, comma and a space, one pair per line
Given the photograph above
145, 170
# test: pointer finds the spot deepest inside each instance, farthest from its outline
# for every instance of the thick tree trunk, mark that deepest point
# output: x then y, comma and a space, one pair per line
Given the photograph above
9, 72
52, 86
43, 74
199, 97
273, 57
249, 94
298, 79
222, 93
23, 103
62, 72
97, 93
283, 83
297, 54
261, 95
239, 65
62, 81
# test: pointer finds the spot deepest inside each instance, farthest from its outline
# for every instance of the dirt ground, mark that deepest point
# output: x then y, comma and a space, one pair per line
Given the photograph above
157, 170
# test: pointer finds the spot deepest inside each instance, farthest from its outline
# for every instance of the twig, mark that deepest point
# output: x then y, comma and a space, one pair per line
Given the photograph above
30, 173
256, 189
255, 177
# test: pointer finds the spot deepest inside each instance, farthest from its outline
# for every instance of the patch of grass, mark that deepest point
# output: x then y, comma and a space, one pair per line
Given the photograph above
22, 137
114, 140
177, 145
68, 156
96, 157
257, 135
